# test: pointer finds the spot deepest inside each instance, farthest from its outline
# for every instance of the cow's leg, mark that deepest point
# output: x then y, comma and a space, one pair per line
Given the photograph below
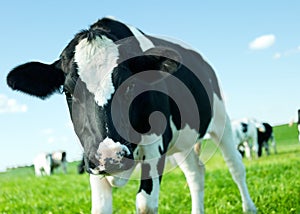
273, 143
247, 150
261, 145
64, 166
255, 145
236, 167
193, 170
101, 195
47, 169
37, 170
147, 197
152, 166
266, 146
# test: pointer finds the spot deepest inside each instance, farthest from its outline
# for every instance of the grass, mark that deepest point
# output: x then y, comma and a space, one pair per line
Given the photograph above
273, 181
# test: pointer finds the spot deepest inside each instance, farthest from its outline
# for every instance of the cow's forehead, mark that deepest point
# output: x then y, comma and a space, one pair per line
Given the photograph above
96, 60
69, 50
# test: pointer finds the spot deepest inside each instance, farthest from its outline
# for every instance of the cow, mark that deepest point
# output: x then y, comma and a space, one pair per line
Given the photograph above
134, 99
245, 135
45, 163
264, 135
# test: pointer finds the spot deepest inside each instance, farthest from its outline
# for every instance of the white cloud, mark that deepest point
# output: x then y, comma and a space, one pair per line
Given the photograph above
8, 105
262, 42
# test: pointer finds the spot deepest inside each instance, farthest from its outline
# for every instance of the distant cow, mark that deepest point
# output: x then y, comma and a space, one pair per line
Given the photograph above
264, 135
134, 99
245, 133
45, 163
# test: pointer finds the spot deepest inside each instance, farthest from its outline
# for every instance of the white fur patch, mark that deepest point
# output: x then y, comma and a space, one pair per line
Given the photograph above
96, 60
144, 42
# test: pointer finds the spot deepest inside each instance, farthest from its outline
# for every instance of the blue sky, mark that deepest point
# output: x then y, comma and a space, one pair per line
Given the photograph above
254, 47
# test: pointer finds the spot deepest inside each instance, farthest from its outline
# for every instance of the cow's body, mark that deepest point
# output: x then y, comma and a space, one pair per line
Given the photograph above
134, 99
45, 163
263, 137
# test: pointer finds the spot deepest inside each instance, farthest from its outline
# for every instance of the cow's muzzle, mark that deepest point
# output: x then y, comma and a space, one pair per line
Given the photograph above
111, 158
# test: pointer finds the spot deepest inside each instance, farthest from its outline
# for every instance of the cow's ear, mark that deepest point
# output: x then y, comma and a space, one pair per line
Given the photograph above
36, 79
168, 60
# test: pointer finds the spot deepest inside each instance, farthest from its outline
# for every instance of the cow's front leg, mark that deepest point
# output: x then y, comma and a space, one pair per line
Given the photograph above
247, 150
101, 195
152, 166
147, 197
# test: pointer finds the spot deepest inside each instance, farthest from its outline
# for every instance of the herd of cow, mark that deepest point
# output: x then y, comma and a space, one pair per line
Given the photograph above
135, 99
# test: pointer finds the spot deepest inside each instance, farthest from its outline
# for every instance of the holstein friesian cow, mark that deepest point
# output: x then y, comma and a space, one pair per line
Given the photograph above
264, 135
135, 98
245, 134
45, 163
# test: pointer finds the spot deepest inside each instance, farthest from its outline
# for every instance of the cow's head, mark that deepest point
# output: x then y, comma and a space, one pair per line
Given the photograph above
89, 72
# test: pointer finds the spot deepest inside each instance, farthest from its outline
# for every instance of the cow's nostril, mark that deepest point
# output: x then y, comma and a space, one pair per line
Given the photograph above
126, 151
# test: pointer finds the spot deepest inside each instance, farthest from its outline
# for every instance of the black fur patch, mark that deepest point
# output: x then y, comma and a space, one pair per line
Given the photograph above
146, 182
244, 127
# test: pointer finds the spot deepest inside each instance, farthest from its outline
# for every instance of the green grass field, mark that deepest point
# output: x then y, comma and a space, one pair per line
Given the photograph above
274, 184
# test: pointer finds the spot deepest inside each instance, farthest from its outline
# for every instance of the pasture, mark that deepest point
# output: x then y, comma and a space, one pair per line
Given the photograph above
274, 184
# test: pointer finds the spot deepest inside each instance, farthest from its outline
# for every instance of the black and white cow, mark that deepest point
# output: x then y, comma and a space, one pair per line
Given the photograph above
245, 134
252, 135
134, 98
45, 163
264, 135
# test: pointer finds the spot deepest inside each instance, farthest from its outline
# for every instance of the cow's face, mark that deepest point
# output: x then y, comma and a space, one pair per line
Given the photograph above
87, 73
